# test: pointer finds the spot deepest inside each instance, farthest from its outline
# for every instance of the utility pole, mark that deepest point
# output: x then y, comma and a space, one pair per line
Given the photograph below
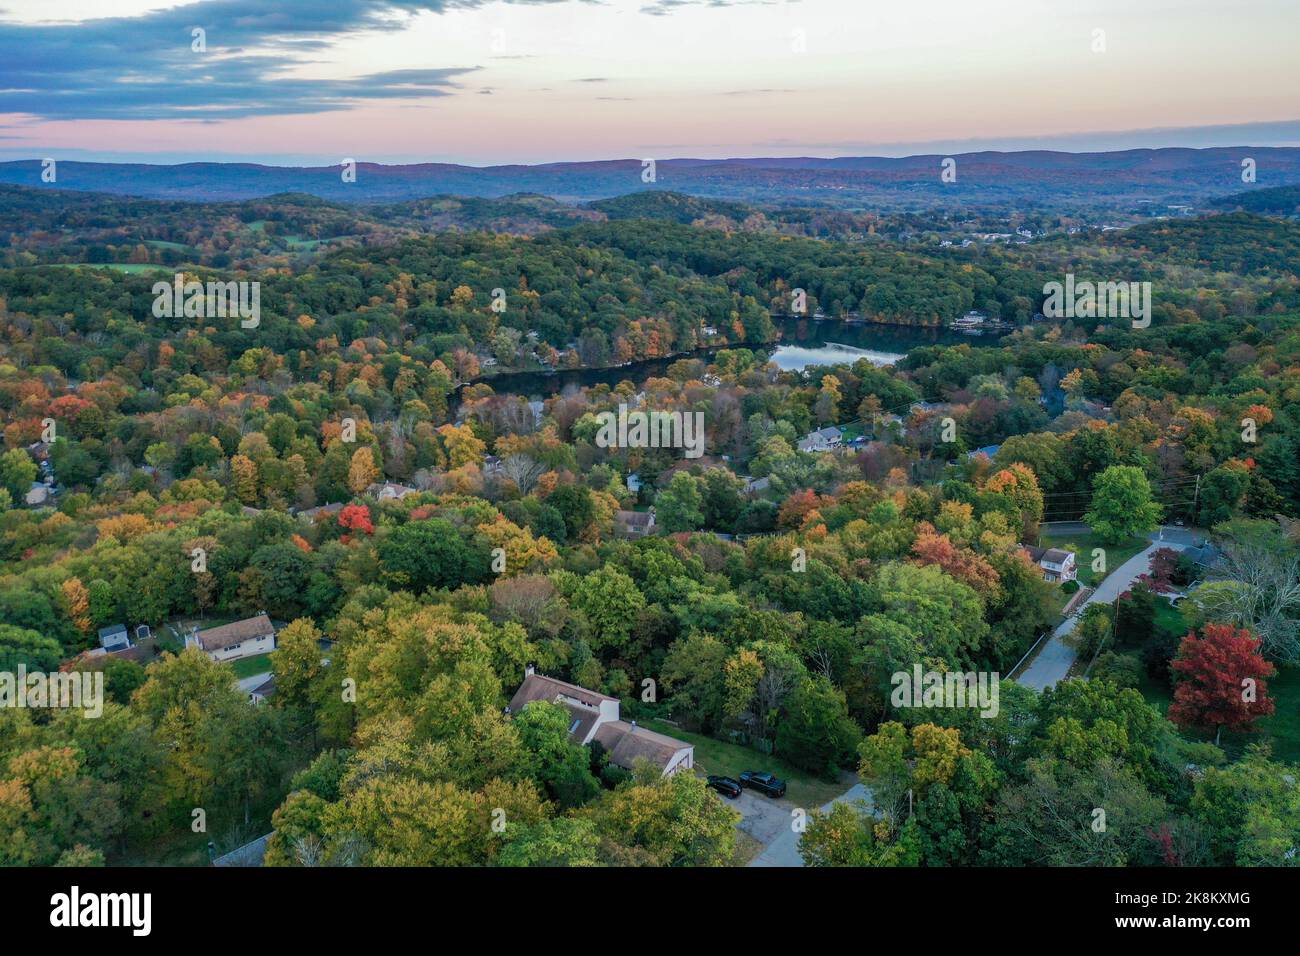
1196, 493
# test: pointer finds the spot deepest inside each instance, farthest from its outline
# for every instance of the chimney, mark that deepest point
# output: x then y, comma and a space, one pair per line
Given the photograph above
633, 730
529, 670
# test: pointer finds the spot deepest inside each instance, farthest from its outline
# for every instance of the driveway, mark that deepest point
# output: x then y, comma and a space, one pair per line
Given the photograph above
249, 684
1054, 660
782, 842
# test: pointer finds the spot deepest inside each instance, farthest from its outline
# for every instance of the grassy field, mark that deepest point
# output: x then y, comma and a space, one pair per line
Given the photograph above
248, 666
1282, 729
1082, 546
130, 268
717, 756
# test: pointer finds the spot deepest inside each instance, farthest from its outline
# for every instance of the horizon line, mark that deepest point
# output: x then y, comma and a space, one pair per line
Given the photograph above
636, 159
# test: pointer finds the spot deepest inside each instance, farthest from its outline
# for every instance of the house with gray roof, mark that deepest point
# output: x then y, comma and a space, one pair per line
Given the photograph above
594, 718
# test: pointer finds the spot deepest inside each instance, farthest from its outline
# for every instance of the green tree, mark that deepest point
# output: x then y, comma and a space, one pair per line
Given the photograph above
432, 554
1122, 506
679, 507
816, 731
611, 601
17, 472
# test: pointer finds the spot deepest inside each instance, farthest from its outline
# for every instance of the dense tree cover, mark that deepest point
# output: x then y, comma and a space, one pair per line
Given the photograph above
1087, 774
191, 460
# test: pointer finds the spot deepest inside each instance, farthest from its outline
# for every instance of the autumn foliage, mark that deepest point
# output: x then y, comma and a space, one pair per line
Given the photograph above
356, 518
1223, 679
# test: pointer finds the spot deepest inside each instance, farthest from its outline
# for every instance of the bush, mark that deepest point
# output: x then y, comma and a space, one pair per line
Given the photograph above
1069, 587
1123, 670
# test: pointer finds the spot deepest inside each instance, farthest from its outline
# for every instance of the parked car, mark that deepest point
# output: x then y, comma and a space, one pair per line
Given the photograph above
725, 786
763, 782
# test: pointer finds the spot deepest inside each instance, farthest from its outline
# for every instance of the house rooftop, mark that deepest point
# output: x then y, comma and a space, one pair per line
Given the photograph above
250, 854
540, 687
626, 742
216, 638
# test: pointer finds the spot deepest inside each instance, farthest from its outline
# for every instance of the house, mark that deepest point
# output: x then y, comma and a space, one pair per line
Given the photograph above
250, 854
634, 524
389, 491
756, 486
824, 439
988, 451
37, 495
230, 642
264, 687
311, 514
624, 742
633, 483
1057, 565
114, 637
595, 719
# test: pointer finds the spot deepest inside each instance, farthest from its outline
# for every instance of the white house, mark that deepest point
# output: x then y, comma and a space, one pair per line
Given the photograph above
824, 439
230, 642
114, 637
389, 491
594, 717
634, 524
1057, 565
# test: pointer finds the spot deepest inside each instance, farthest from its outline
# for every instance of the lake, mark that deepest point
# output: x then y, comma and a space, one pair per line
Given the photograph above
802, 344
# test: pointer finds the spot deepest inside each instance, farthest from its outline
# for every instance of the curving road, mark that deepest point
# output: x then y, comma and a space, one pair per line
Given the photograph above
1053, 661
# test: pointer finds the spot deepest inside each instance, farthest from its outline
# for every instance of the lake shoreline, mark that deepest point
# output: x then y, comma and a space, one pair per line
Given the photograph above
801, 334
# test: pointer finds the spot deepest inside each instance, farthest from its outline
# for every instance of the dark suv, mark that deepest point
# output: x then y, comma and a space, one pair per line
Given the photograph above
763, 783
724, 785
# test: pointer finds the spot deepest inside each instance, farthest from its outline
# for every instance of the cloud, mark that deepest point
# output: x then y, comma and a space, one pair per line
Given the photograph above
662, 8
144, 67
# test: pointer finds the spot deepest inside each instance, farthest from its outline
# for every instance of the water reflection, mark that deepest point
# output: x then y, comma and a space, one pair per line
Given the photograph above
803, 344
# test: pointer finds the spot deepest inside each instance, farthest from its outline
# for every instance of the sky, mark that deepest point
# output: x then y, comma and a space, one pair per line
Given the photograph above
482, 82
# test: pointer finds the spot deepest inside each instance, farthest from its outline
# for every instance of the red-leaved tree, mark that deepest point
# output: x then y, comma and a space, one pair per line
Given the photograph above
1223, 680
356, 518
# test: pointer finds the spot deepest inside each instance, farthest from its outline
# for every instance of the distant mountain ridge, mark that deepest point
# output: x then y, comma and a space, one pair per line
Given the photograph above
1172, 175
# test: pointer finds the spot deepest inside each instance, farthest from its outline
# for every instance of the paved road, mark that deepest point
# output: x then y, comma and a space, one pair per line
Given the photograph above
783, 850
1054, 660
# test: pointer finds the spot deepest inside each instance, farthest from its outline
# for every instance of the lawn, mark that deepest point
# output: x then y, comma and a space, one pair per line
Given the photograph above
720, 757
248, 666
1282, 730
1284, 726
1083, 544
131, 268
